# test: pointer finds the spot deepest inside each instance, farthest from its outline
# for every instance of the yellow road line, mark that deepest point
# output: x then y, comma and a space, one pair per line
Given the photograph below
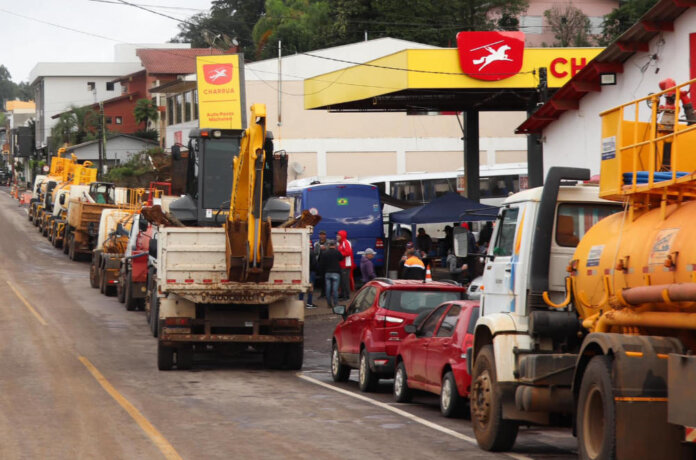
27, 304
152, 432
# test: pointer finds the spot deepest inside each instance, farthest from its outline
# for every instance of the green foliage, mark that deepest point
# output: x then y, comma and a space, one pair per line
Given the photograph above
570, 26
10, 90
144, 111
138, 165
75, 126
151, 134
227, 20
622, 18
301, 25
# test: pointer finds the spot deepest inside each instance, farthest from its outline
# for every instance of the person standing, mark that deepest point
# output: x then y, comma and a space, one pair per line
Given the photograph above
414, 269
424, 244
485, 235
330, 265
367, 268
320, 247
346, 249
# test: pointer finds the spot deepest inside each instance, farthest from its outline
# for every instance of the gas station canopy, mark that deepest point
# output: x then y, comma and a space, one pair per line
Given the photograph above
433, 80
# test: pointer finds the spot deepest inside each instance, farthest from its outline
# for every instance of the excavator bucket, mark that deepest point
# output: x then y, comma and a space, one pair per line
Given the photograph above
236, 250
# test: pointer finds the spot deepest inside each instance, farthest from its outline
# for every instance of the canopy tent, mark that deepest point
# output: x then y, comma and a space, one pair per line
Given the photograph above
450, 207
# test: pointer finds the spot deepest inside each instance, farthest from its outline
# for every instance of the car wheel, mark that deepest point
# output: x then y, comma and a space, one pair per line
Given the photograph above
402, 393
339, 371
367, 380
596, 416
451, 404
493, 433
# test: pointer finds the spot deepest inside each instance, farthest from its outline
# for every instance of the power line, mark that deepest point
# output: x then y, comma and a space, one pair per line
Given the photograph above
162, 7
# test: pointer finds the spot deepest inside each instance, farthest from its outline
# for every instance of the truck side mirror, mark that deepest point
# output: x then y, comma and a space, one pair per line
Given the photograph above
61, 200
142, 224
461, 241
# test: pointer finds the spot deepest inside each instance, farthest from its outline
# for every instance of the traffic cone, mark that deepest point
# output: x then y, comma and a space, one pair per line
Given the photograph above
428, 275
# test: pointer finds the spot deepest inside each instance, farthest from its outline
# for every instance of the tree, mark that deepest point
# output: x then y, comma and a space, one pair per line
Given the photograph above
145, 110
10, 90
622, 18
570, 26
74, 126
301, 25
234, 19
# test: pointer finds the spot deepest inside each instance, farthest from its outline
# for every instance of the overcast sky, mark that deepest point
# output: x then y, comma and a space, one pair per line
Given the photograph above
25, 40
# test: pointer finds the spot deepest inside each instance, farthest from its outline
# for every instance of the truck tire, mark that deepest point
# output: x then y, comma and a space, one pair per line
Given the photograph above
493, 433
339, 371
402, 393
71, 248
131, 303
184, 357
66, 241
294, 356
154, 311
93, 275
102, 281
165, 357
367, 380
273, 356
451, 403
596, 414
121, 288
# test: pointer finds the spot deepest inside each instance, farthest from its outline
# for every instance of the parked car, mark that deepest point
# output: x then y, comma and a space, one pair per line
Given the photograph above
432, 357
368, 338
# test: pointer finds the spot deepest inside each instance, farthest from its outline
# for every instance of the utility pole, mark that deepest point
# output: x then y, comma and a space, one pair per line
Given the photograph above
102, 142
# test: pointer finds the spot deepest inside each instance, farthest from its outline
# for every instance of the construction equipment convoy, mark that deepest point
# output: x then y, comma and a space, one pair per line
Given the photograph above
609, 348
204, 291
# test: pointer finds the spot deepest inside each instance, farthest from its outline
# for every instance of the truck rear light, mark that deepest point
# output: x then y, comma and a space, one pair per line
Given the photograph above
381, 362
224, 281
379, 243
113, 281
188, 281
278, 281
296, 281
207, 281
173, 321
171, 281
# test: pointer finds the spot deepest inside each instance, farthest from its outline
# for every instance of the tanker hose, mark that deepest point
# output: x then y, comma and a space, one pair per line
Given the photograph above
602, 302
565, 302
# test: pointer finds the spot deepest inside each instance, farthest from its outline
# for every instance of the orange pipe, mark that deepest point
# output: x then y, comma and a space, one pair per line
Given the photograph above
669, 320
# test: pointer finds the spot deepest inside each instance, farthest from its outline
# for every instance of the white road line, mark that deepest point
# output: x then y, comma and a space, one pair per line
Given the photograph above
403, 413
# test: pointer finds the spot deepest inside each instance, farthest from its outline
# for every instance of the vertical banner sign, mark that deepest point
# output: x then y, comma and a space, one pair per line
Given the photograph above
220, 91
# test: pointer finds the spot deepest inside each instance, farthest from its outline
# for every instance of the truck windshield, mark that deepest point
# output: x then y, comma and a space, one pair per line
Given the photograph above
217, 171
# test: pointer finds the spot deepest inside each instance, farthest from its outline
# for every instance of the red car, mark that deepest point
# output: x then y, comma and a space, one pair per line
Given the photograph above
433, 356
368, 338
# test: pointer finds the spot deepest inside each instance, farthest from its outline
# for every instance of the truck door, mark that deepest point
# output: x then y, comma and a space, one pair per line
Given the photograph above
499, 274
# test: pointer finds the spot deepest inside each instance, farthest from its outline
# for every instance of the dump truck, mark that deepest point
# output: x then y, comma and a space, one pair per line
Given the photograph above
589, 297
84, 213
193, 303
80, 176
112, 240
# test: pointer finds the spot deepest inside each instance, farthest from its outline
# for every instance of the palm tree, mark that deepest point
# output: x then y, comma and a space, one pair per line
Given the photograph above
145, 110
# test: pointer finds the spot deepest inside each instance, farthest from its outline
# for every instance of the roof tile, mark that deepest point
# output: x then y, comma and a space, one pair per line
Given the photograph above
173, 61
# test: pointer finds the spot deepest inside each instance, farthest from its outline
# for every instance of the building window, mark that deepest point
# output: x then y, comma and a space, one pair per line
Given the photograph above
108, 120
109, 86
91, 86
119, 120
188, 102
195, 104
178, 106
170, 111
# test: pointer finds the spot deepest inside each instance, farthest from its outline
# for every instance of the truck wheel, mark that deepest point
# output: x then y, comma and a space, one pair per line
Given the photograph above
121, 289
184, 357
102, 281
596, 416
339, 372
154, 312
71, 250
66, 241
273, 356
165, 357
367, 380
131, 303
451, 403
402, 393
294, 356
492, 432
93, 275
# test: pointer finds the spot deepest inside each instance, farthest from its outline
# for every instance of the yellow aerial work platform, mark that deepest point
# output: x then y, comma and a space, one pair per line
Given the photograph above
648, 153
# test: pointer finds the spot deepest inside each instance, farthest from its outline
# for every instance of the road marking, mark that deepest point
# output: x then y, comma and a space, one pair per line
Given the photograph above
27, 304
152, 432
404, 414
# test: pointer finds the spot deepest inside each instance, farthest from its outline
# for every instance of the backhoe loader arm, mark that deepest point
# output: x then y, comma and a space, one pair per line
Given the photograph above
249, 252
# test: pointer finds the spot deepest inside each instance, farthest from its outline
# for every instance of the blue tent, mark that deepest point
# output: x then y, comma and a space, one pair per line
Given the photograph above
451, 207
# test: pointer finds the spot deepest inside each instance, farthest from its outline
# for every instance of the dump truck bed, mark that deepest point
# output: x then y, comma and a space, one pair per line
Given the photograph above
82, 213
191, 264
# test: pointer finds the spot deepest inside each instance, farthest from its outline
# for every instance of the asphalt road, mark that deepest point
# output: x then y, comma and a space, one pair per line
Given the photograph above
78, 379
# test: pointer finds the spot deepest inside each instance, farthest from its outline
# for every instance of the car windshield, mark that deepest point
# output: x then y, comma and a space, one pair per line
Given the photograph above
412, 301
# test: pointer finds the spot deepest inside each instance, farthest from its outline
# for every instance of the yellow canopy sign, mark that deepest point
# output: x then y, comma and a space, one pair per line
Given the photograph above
220, 94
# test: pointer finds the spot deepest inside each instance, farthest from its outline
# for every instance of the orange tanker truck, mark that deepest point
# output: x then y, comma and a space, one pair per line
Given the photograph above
589, 303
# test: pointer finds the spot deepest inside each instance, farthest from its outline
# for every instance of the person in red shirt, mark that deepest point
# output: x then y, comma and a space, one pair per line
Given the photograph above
347, 264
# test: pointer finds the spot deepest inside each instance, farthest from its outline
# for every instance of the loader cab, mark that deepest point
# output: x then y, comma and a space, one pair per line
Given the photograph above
103, 192
209, 175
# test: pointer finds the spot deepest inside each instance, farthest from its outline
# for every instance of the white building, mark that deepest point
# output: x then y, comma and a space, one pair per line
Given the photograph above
662, 45
119, 149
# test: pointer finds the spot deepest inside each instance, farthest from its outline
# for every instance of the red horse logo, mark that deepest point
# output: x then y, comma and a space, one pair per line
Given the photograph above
490, 56
217, 74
